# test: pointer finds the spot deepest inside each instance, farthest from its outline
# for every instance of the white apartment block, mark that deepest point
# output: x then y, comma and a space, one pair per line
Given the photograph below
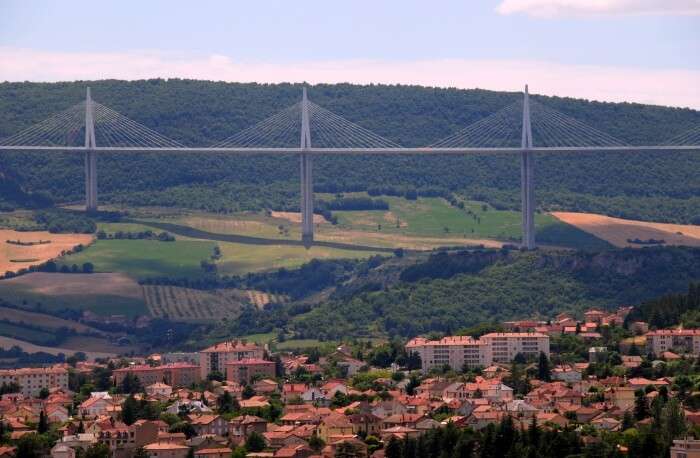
506, 345
32, 380
217, 356
459, 351
682, 341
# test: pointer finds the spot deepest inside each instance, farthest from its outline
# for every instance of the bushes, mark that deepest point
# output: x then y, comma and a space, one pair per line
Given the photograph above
59, 221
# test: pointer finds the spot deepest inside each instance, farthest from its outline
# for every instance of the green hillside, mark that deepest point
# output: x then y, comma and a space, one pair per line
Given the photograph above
447, 292
645, 186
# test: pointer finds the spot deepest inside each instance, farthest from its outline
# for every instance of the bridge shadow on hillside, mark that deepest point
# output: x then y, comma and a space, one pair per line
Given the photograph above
187, 231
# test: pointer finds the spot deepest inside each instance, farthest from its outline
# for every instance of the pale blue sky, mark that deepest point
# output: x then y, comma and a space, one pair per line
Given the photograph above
294, 33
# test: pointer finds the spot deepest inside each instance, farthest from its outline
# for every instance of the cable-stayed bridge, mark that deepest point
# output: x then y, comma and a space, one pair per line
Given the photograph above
525, 127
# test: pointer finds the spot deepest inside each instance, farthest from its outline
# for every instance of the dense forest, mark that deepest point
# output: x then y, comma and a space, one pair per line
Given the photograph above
447, 292
645, 186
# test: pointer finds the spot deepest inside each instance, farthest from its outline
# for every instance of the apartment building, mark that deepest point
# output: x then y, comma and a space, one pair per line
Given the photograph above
460, 351
217, 356
245, 370
506, 345
175, 375
32, 380
454, 351
676, 340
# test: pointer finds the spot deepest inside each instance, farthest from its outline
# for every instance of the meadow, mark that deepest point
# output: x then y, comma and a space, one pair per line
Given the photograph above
145, 258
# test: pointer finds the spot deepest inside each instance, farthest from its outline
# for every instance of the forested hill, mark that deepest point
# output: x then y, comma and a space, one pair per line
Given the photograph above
647, 186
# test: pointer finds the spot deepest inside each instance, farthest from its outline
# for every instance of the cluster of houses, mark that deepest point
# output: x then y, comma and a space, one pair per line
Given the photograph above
312, 423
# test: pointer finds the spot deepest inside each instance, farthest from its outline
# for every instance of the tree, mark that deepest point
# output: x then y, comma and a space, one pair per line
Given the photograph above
239, 452
641, 405
316, 442
130, 384
248, 392
347, 449
97, 450
141, 453
88, 268
393, 448
227, 404
255, 442
129, 410
543, 370
43, 425
44, 393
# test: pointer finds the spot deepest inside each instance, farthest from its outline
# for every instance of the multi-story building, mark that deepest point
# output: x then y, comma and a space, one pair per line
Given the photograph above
244, 370
506, 345
32, 380
460, 351
677, 340
175, 375
453, 351
217, 356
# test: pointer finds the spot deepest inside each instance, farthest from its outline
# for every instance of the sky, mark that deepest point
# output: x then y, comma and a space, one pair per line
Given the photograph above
644, 51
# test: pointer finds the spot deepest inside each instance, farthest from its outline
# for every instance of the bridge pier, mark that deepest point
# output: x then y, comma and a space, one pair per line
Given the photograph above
307, 200
90, 157
527, 172
307, 186
90, 181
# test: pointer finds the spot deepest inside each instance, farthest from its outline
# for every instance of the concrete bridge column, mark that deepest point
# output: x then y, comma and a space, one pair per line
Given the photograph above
90, 157
307, 187
527, 172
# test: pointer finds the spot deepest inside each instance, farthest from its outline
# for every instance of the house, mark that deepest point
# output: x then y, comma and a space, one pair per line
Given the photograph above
159, 389
254, 403
358, 447
221, 452
265, 387
521, 409
409, 420
96, 406
332, 387
365, 423
80, 440
166, 450
61, 450
293, 390
335, 426
244, 425
294, 451
7, 451
566, 373
685, 448
188, 406
56, 413
209, 424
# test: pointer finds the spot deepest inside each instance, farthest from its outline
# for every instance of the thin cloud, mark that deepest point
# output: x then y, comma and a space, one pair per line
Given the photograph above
568, 8
674, 87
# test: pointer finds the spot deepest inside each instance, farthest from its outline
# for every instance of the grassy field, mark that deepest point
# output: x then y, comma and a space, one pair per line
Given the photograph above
9, 342
104, 294
19, 316
238, 258
145, 258
20, 332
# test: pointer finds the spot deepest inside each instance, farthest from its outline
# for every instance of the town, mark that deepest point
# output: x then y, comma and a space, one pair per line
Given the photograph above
606, 380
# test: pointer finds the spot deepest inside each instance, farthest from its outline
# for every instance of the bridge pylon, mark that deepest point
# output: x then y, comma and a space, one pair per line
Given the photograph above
307, 189
90, 157
527, 171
